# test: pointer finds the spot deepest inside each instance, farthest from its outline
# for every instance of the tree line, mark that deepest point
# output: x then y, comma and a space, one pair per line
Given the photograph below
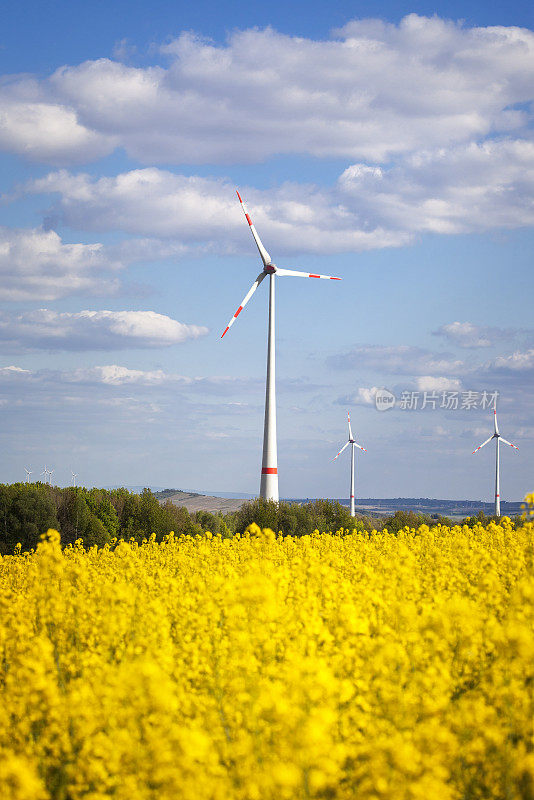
100, 516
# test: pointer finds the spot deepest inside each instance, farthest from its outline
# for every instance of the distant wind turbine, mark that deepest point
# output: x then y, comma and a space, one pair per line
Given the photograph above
354, 444
50, 473
74, 476
45, 473
269, 467
497, 436
28, 473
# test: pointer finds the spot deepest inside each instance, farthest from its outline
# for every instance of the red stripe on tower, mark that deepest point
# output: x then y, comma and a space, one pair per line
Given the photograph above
269, 471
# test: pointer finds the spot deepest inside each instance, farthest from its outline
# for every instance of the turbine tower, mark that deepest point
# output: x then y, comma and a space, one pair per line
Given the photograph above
354, 444
50, 473
497, 436
28, 473
269, 466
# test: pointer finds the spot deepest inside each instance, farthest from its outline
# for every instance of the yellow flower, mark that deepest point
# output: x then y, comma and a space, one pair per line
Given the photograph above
263, 667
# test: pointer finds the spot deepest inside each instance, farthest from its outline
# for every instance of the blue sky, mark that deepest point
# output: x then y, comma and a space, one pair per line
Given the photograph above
385, 143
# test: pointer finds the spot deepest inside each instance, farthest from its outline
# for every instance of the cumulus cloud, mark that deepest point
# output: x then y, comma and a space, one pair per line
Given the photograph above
37, 265
469, 335
34, 125
373, 91
431, 383
465, 334
398, 360
467, 189
366, 396
93, 330
115, 375
515, 362
14, 373
204, 215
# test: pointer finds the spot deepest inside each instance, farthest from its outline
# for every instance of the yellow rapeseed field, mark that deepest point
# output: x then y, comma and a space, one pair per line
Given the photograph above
369, 666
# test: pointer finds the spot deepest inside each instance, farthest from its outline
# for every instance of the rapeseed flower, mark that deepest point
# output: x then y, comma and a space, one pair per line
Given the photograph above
338, 665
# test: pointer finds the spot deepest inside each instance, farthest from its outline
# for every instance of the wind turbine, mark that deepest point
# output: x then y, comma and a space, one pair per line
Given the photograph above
45, 472
354, 444
28, 473
497, 436
269, 466
74, 476
50, 473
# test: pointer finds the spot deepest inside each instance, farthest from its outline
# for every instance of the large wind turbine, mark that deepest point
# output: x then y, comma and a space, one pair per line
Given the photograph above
497, 436
269, 466
354, 444
28, 473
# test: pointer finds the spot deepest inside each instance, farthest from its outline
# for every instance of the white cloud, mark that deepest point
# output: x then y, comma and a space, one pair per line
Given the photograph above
93, 330
35, 126
516, 362
36, 265
365, 396
115, 375
472, 187
465, 334
204, 213
430, 383
398, 360
467, 189
12, 372
372, 92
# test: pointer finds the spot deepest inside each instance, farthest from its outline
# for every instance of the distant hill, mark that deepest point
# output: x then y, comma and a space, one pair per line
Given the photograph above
375, 507
199, 502
455, 509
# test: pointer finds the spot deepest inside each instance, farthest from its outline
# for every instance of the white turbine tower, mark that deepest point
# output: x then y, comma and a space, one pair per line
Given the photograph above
354, 444
50, 473
269, 466
498, 438
74, 476
28, 473
45, 472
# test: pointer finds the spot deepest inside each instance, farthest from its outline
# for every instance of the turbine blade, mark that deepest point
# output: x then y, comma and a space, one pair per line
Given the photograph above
245, 300
495, 420
510, 443
345, 445
265, 257
482, 445
361, 448
350, 429
294, 273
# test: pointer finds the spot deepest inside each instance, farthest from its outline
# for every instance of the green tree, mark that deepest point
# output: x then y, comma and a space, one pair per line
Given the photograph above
26, 512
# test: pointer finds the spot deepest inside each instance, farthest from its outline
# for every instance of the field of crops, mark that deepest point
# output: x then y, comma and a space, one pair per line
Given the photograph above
261, 668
